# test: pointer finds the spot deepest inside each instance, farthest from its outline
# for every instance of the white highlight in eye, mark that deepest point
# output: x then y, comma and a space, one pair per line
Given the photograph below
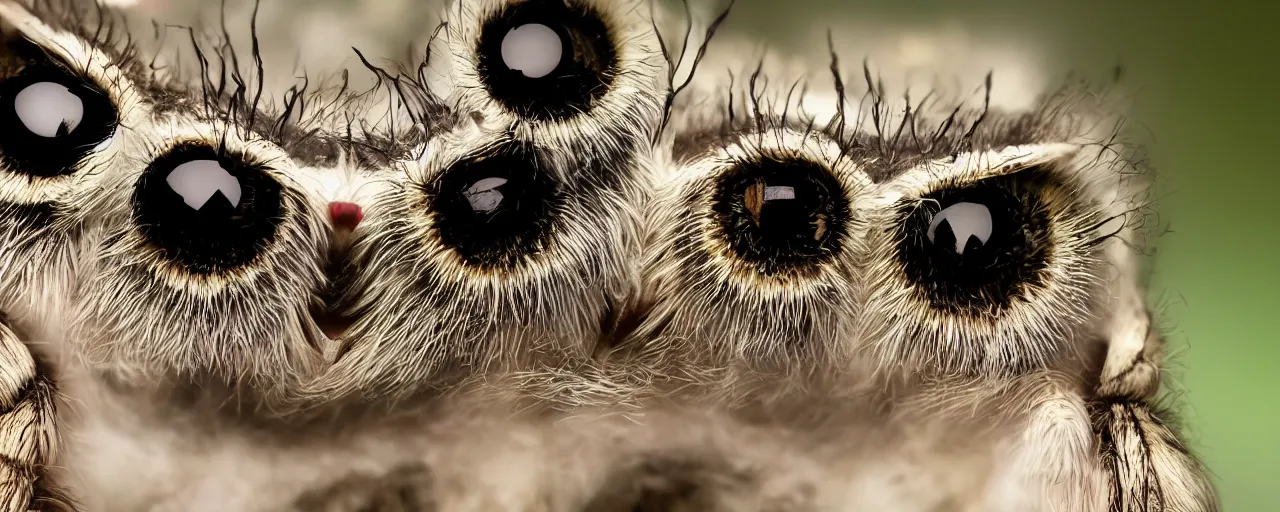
966, 220
779, 193
45, 107
532, 49
198, 180
483, 196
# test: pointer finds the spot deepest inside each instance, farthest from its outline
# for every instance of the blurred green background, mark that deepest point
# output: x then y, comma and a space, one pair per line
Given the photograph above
1206, 83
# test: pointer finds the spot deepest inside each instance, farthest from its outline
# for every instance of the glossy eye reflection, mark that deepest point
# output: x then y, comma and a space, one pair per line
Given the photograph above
967, 225
51, 121
494, 209
200, 180
206, 210
48, 109
781, 214
977, 246
546, 59
484, 196
532, 49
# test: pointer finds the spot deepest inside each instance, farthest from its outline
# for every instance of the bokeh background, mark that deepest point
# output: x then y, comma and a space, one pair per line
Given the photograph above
1204, 81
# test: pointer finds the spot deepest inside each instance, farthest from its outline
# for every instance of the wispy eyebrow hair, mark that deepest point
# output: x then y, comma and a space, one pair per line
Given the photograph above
888, 135
204, 76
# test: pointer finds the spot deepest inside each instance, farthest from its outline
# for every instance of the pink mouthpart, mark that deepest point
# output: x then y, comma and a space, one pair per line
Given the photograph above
345, 215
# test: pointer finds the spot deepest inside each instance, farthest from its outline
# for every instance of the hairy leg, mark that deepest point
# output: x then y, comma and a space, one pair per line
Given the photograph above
28, 433
1147, 465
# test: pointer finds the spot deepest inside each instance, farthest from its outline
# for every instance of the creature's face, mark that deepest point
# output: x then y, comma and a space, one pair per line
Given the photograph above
563, 262
512, 234
225, 249
170, 214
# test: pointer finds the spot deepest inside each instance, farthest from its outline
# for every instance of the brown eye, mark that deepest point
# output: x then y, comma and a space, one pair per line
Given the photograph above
779, 214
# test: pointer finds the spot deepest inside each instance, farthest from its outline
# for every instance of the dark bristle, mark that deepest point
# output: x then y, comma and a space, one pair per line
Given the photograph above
411, 94
840, 92
755, 99
221, 91
986, 107
674, 90
730, 102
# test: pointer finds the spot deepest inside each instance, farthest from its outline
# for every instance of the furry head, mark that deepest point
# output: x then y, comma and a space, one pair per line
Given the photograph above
558, 265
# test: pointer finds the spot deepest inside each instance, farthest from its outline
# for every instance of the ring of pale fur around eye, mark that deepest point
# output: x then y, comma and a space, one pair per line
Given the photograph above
781, 206
208, 208
518, 43
602, 94
751, 253
998, 285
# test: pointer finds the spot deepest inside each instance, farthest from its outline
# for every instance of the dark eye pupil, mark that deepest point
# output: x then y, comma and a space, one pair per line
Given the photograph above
205, 210
781, 214
494, 210
975, 247
51, 120
546, 59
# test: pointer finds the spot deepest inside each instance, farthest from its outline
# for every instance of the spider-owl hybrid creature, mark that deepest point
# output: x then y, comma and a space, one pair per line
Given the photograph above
561, 275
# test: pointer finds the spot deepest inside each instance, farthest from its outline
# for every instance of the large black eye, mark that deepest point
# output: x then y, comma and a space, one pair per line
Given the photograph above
976, 247
206, 209
494, 209
51, 120
546, 59
781, 214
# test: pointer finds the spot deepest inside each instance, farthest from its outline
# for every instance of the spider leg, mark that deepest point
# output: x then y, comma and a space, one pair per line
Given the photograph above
1146, 463
28, 432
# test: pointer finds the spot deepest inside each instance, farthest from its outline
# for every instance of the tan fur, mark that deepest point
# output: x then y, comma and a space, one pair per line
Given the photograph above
743, 314
553, 301
633, 361
28, 432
